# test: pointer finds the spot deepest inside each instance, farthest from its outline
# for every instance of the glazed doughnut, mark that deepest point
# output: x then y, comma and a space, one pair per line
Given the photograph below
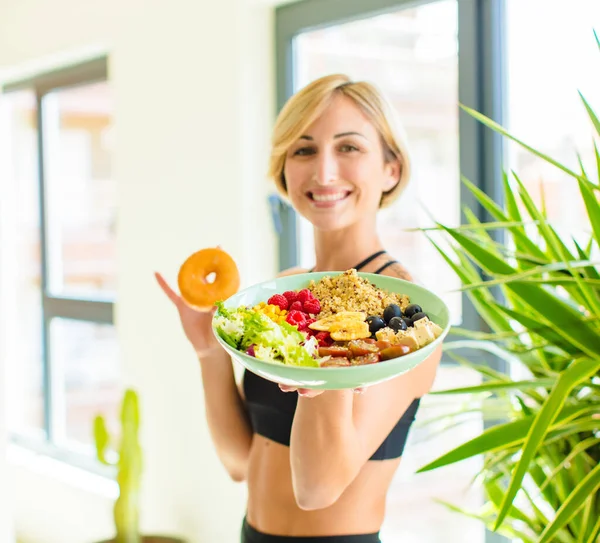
196, 290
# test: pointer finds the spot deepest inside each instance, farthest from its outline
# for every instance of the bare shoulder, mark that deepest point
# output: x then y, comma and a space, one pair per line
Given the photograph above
398, 270
292, 271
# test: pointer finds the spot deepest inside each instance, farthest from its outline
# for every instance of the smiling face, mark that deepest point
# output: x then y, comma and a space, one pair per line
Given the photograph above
336, 172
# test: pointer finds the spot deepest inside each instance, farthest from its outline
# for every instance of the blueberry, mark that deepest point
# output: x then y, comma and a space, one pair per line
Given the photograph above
375, 323
391, 311
418, 316
411, 310
397, 324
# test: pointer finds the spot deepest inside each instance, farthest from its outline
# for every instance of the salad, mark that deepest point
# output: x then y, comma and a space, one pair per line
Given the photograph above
338, 321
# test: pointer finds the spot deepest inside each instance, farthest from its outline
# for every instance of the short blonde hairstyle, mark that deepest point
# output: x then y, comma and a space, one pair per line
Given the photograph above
308, 104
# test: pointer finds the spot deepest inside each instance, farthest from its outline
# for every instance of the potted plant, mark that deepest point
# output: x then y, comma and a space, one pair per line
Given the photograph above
128, 464
541, 470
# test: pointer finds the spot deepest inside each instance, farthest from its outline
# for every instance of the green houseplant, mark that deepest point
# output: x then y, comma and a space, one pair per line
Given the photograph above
541, 467
128, 464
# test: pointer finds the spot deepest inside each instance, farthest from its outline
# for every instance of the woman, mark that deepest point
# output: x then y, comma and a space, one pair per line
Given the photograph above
318, 464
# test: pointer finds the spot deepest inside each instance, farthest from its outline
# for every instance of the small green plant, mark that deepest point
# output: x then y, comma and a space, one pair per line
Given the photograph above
129, 467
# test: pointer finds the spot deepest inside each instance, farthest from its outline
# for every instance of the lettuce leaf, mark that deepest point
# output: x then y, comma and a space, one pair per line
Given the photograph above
272, 341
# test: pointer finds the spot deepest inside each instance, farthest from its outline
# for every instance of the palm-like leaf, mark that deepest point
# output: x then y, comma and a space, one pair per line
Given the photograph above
541, 470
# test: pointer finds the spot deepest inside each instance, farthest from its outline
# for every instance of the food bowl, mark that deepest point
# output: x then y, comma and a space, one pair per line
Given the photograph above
336, 378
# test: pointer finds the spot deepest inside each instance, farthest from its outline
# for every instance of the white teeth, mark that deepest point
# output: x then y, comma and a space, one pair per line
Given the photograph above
328, 197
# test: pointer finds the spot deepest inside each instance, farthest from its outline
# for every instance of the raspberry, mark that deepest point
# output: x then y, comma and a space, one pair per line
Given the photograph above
312, 306
296, 318
278, 300
305, 295
296, 306
323, 338
291, 296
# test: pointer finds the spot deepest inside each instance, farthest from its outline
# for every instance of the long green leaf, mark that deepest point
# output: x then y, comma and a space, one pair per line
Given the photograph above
564, 282
470, 227
543, 330
536, 215
582, 293
593, 209
483, 369
591, 272
578, 372
498, 386
554, 310
481, 300
595, 532
549, 493
498, 213
576, 499
494, 439
538, 270
494, 492
597, 153
512, 207
497, 128
591, 114
580, 447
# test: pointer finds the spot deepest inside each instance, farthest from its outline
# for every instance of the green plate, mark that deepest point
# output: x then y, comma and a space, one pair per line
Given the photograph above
333, 378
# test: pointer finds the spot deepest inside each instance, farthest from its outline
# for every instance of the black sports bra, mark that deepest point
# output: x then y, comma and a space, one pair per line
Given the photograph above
271, 411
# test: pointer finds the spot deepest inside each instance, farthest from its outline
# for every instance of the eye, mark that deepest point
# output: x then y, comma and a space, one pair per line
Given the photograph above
304, 151
348, 148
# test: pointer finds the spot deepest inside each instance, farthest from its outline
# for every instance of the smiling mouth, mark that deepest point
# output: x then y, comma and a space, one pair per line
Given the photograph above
332, 197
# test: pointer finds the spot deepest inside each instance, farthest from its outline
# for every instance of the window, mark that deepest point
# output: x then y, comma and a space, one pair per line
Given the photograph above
58, 250
412, 55
544, 109
428, 57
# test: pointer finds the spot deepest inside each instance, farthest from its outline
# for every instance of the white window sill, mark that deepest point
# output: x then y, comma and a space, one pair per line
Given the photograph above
22, 457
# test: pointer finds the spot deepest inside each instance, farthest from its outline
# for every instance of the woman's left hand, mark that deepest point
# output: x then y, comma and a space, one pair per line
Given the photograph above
310, 392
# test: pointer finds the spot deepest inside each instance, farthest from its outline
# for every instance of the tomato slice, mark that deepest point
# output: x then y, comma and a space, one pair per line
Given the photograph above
335, 361
359, 347
371, 358
334, 350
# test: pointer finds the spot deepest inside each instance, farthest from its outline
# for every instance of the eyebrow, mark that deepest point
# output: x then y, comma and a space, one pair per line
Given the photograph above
341, 135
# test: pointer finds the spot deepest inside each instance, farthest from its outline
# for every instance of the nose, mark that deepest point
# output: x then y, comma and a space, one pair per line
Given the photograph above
326, 168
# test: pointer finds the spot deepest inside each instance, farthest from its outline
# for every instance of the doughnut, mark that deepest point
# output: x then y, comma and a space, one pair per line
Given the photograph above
194, 286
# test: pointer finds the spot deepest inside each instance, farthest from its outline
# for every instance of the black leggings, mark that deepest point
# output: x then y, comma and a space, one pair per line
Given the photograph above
250, 535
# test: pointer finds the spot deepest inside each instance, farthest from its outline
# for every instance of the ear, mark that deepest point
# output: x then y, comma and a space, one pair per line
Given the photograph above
393, 169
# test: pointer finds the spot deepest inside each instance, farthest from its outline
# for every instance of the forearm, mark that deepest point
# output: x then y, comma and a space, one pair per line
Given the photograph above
225, 413
325, 448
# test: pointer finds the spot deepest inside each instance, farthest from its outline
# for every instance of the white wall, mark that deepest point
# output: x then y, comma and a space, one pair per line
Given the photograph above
194, 92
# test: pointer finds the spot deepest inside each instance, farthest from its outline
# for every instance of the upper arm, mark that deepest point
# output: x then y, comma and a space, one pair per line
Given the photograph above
398, 270
379, 408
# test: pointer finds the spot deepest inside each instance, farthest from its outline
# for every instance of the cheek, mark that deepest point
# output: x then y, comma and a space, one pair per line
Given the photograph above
294, 176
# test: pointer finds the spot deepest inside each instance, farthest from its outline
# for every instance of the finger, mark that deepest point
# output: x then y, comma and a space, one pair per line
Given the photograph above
171, 294
309, 393
287, 388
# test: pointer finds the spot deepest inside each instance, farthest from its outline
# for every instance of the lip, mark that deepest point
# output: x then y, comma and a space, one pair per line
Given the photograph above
328, 198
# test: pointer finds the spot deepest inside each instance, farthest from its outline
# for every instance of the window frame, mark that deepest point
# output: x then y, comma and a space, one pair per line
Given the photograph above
482, 87
93, 309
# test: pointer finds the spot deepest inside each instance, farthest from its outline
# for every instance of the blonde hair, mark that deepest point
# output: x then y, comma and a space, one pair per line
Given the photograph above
308, 104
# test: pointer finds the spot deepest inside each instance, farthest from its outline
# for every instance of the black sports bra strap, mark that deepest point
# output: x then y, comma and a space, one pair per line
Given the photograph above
364, 262
368, 259
385, 266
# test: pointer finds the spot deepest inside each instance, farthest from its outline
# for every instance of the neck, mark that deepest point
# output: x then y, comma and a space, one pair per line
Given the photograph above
341, 250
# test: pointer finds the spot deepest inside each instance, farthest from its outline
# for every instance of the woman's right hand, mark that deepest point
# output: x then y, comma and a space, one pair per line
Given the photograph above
197, 325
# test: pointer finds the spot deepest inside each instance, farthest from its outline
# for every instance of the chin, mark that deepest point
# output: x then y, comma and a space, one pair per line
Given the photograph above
328, 222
